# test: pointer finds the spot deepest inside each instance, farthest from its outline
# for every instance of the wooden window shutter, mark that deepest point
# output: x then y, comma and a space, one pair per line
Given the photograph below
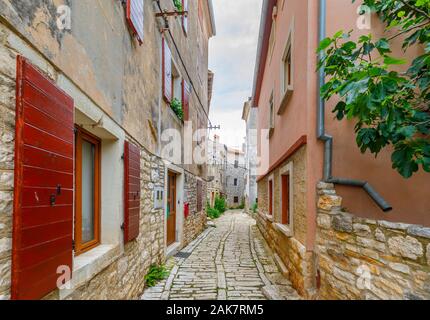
199, 196
135, 16
167, 72
43, 195
131, 191
186, 92
184, 18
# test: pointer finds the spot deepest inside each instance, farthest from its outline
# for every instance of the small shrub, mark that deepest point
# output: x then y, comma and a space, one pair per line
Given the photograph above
176, 106
178, 5
156, 274
255, 207
213, 213
220, 204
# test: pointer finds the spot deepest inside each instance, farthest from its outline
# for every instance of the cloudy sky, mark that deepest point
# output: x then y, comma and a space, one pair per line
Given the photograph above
232, 57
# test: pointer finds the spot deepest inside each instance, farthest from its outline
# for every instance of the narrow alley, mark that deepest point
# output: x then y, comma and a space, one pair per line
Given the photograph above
229, 261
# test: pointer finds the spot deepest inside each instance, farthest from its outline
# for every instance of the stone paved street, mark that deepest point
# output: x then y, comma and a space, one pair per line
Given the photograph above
229, 262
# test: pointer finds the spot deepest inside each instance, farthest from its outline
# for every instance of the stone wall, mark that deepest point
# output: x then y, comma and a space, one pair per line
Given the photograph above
367, 259
196, 221
123, 276
288, 242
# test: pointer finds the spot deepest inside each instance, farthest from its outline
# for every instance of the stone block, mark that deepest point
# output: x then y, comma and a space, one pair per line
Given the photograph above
400, 267
419, 231
324, 221
6, 180
362, 229
406, 247
393, 225
379, 235
428, 254
342, 223
328, 202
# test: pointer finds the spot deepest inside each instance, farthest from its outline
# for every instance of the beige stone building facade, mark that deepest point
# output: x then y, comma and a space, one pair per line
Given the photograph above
106, 63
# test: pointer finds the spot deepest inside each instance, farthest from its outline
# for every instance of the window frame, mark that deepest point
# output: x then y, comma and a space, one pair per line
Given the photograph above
287, 90
271, 114
288, 169
235, 182
81, 135
271, 196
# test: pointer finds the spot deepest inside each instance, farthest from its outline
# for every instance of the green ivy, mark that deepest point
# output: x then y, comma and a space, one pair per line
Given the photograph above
390, 108
176, 106
178, 5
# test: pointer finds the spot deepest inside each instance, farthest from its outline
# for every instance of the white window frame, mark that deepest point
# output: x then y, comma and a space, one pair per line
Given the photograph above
272, 113
271, 179
287, 229
286, 90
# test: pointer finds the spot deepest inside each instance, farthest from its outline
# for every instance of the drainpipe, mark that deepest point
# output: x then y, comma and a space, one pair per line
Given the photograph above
328, 139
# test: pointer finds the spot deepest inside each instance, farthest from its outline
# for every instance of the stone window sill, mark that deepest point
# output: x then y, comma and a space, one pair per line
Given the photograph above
88, 265
285, 100
286, 230
266, 217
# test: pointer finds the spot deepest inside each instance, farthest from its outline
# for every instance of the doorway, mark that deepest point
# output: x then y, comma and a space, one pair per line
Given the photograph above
171, 208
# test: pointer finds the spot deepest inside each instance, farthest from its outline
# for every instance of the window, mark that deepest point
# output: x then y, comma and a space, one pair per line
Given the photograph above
270, 194
236, 199
135, 18
235, 181
87, 197
287, 73
236, 163
285, 217
271, 115
272, 39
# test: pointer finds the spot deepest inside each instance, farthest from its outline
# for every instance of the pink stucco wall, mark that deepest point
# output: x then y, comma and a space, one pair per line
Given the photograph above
409, 198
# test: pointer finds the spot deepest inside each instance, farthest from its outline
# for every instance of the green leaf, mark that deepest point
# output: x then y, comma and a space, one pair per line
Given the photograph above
391, 60
324, 44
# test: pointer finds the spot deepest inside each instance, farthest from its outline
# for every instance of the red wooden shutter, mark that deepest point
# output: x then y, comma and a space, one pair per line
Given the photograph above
184, 18
167, 72
43, 196
135, 18
131, 191
186, 91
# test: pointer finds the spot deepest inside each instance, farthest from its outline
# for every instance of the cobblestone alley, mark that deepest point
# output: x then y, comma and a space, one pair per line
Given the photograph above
228, 262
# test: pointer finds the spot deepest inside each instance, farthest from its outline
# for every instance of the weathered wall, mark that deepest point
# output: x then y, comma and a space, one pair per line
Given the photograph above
196, 221
231, 190
369, 259
122, 80
290, 248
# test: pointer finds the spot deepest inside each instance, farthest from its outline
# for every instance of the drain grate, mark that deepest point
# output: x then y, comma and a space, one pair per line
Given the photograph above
182, 255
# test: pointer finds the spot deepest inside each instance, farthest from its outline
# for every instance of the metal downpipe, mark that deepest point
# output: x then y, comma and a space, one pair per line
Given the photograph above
328, 139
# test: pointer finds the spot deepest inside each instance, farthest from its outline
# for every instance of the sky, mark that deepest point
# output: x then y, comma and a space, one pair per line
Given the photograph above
232, 54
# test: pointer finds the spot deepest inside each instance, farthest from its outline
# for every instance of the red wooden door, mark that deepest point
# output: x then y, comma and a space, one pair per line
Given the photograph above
131, 191
171, 209
285, 199
43, 195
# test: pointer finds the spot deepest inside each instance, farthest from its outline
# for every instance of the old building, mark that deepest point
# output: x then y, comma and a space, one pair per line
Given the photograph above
235, 178
325, 250
92, 190
249, 115
217, 170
